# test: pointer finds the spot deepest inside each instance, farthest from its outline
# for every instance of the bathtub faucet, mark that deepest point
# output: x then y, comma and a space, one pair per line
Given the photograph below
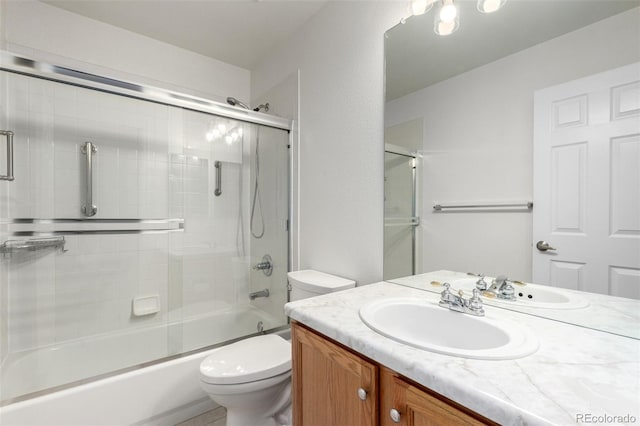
261, 293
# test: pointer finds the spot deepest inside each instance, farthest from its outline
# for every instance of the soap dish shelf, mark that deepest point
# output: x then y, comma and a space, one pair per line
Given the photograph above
16, 246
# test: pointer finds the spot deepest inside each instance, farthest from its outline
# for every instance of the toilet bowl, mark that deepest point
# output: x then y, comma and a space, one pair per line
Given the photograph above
252, 378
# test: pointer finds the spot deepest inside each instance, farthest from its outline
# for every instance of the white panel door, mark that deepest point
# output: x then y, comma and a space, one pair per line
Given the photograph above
587, 183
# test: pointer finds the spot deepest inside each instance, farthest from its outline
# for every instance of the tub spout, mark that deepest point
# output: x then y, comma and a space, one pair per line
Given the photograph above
261, 293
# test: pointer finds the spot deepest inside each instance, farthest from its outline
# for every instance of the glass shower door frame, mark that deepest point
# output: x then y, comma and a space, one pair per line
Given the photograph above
413, 220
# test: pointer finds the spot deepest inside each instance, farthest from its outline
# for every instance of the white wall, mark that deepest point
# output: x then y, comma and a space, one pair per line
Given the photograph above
339, 53
478, 143
69, 39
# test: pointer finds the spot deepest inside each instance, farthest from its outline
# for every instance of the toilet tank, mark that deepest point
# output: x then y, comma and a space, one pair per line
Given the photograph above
309, 283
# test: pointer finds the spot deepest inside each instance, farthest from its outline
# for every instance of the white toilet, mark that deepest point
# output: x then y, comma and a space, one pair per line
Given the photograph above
252, 377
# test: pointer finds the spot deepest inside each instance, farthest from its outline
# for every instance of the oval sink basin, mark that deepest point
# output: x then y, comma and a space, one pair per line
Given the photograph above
530, 295
425, 325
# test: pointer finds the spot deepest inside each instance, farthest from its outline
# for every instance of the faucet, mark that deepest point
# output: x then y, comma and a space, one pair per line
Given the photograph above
457, 303
501, 287
261, 293
266, 265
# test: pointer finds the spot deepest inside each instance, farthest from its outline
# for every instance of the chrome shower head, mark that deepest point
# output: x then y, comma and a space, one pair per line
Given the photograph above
235, 102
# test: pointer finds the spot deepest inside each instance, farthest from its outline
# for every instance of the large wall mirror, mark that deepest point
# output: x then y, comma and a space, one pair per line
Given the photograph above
512, 147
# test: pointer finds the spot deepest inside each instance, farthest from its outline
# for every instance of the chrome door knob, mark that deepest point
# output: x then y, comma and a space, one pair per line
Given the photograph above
362, 394
395, 415
544, 246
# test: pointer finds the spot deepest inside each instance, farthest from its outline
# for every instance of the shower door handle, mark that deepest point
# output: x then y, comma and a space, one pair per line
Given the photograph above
218, 191
9, 136
89, 209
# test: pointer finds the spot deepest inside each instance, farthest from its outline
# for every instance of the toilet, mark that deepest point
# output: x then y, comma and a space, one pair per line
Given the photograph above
252, 378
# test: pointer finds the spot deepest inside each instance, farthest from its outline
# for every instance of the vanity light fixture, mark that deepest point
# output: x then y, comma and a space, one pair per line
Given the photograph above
490, 6
447, 20
420, 7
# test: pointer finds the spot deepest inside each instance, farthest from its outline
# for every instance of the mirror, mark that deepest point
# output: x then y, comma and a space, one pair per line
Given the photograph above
466, 101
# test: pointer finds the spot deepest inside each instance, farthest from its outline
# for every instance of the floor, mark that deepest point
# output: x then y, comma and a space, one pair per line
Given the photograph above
217, 417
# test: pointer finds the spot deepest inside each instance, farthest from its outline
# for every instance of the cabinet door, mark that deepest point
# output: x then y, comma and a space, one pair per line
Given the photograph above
417, 407
327, 383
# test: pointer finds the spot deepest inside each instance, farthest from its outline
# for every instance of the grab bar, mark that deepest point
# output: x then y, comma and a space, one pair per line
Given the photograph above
29, 227
218, 190
527, 205
9, 135
89, 209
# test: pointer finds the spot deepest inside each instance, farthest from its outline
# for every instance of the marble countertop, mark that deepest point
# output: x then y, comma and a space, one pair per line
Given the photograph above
575, 372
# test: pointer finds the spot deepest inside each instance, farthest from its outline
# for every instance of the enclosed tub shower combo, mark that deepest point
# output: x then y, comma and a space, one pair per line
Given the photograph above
137, 226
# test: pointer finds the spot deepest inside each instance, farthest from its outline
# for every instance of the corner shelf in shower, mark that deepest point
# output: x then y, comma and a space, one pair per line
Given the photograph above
16, 246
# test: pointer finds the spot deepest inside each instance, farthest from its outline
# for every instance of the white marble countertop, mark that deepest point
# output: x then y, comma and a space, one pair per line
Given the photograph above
576, 371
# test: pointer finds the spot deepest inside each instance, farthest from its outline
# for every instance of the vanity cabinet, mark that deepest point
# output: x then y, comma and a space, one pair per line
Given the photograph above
333, 386
406, 404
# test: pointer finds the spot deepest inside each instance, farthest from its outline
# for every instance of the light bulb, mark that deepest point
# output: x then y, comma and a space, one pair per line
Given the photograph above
228, 139
444, 28
448, 11
222, 128
209, 136
420, 7
490, 6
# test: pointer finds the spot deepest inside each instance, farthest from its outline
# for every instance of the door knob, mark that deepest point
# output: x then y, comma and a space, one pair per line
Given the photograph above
544, 246
395, 415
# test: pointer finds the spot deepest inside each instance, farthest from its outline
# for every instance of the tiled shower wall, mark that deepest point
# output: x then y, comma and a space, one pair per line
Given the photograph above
153, 162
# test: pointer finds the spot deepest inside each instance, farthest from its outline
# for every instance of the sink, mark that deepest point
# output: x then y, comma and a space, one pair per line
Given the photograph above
425, 325
530, 295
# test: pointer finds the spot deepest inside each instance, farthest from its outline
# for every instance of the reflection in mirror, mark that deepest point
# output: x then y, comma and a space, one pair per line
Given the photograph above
538, 102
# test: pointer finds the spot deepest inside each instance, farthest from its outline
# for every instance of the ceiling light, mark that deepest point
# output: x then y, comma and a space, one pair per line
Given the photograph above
490, 6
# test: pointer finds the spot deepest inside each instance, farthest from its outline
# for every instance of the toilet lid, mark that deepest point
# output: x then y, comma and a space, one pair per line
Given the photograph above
247, 361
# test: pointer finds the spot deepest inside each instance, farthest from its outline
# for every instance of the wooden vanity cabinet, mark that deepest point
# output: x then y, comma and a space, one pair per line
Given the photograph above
417, 406
329, 381
331, 385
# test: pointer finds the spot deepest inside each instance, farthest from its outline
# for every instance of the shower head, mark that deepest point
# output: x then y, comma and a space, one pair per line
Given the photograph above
235, 102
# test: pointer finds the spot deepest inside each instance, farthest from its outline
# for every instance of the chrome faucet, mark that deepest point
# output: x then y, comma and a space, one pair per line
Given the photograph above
266, 266
261, 293
502, 288
457, 303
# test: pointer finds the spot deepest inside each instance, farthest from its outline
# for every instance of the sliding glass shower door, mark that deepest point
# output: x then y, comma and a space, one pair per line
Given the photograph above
131, 232
400, 213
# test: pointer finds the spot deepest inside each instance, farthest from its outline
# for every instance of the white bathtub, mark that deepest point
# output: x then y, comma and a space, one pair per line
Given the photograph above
164, 393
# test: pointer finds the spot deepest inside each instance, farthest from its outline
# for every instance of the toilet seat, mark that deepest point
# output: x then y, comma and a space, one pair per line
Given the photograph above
248, 360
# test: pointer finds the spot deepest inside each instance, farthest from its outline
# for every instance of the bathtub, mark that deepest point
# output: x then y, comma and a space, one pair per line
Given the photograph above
164, 393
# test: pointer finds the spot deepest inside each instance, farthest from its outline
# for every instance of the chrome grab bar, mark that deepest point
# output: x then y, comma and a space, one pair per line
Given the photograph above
526, 205
9, 134
89, 209
218, 190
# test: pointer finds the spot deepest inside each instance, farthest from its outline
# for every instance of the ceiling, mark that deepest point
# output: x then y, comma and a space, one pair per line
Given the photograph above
417, 58
239, 32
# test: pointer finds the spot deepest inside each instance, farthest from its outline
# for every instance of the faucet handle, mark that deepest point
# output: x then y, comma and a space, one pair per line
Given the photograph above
481, 284
475, 303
